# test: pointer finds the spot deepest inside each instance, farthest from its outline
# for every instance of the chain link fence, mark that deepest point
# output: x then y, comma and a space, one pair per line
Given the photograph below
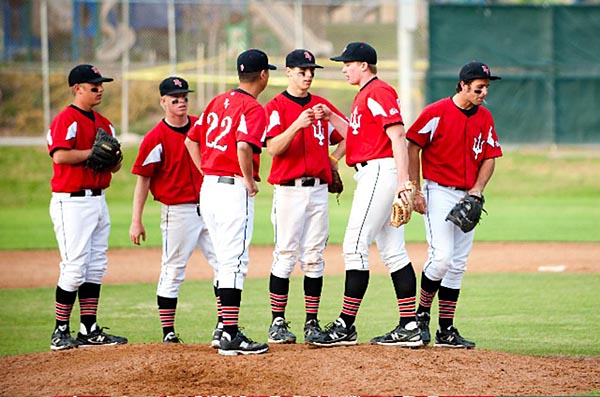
139, 43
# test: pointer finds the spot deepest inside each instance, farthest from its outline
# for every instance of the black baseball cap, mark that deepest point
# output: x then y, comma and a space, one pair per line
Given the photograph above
476, 70
253, 60
359, 52
86, 74
173, 85
301, 59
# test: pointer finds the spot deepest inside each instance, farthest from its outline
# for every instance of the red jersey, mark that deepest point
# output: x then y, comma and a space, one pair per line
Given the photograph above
74, 128
164, 158
454, 143
231, 117
308, 153
375, 107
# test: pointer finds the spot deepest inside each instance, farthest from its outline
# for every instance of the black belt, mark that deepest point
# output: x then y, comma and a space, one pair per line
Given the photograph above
226, 179
82, 193
363, 164
305, 182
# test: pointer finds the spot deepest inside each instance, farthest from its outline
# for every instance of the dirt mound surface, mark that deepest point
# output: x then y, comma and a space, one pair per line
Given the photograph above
194, 369
158, 369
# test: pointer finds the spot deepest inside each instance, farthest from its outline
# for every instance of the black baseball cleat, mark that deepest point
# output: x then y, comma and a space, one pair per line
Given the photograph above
409, 336
216, 338
451, 338
172, 337
312, 330
423, 323
279, 332
61, 339
336, 334
240, 345
97, 337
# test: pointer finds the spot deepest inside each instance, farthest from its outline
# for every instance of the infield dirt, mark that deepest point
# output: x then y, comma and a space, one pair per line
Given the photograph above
195, 369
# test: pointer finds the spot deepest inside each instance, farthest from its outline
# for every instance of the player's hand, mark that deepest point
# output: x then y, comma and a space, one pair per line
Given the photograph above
251, 187
322, 112
420, 205
137, 230
306, 118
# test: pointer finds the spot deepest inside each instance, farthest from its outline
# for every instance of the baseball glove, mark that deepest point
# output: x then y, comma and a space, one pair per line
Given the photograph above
467, 212
106, 152
336, 186
402, 205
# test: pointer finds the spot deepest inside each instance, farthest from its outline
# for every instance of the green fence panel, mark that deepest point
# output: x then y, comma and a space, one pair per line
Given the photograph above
548, 57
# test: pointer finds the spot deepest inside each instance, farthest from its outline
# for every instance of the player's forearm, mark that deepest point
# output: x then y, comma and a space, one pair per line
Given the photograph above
72, 156
400, 153
194, 151
339, 123
483, 176
414, 164
140, 195
280, 143
244, 152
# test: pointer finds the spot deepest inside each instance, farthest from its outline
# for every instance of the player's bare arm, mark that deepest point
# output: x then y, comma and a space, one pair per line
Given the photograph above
483, 176
414, 174
397, 136
279, 144
194, 150
70, 156
337, 154
140, 194
323, 112
244, 151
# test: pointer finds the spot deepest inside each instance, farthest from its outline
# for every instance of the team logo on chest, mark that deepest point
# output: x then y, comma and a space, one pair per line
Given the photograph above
478, 146
355, 121
318, 132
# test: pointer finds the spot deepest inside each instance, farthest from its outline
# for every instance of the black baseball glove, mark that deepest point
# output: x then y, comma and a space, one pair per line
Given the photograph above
467, 212
106, 152
336, 186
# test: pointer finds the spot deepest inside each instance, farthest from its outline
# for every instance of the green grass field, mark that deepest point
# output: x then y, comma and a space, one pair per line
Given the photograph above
534, 195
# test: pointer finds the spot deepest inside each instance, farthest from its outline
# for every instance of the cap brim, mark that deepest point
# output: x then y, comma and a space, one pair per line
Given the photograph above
272, 67
101, 80
174, 92
307, 65
495, 78
340, 59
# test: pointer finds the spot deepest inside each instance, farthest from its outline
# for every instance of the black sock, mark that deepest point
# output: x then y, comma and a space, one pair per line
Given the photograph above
355, 288
166, 312
405, 287
313, 288
448, 298
63, 306
231, 298
89, 295
279, 289
428, 290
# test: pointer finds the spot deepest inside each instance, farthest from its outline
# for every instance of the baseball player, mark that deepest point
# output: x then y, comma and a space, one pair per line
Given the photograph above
298, 138
457, 143
164, 167
79, 212
376, 148
225, 144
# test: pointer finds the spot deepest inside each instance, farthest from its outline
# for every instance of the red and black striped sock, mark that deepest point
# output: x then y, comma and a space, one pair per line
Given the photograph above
405, 286
278, 294
312, 296
355, 288
448, 298
428, 290
89, 295
230, 305
65, 300
166, 312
